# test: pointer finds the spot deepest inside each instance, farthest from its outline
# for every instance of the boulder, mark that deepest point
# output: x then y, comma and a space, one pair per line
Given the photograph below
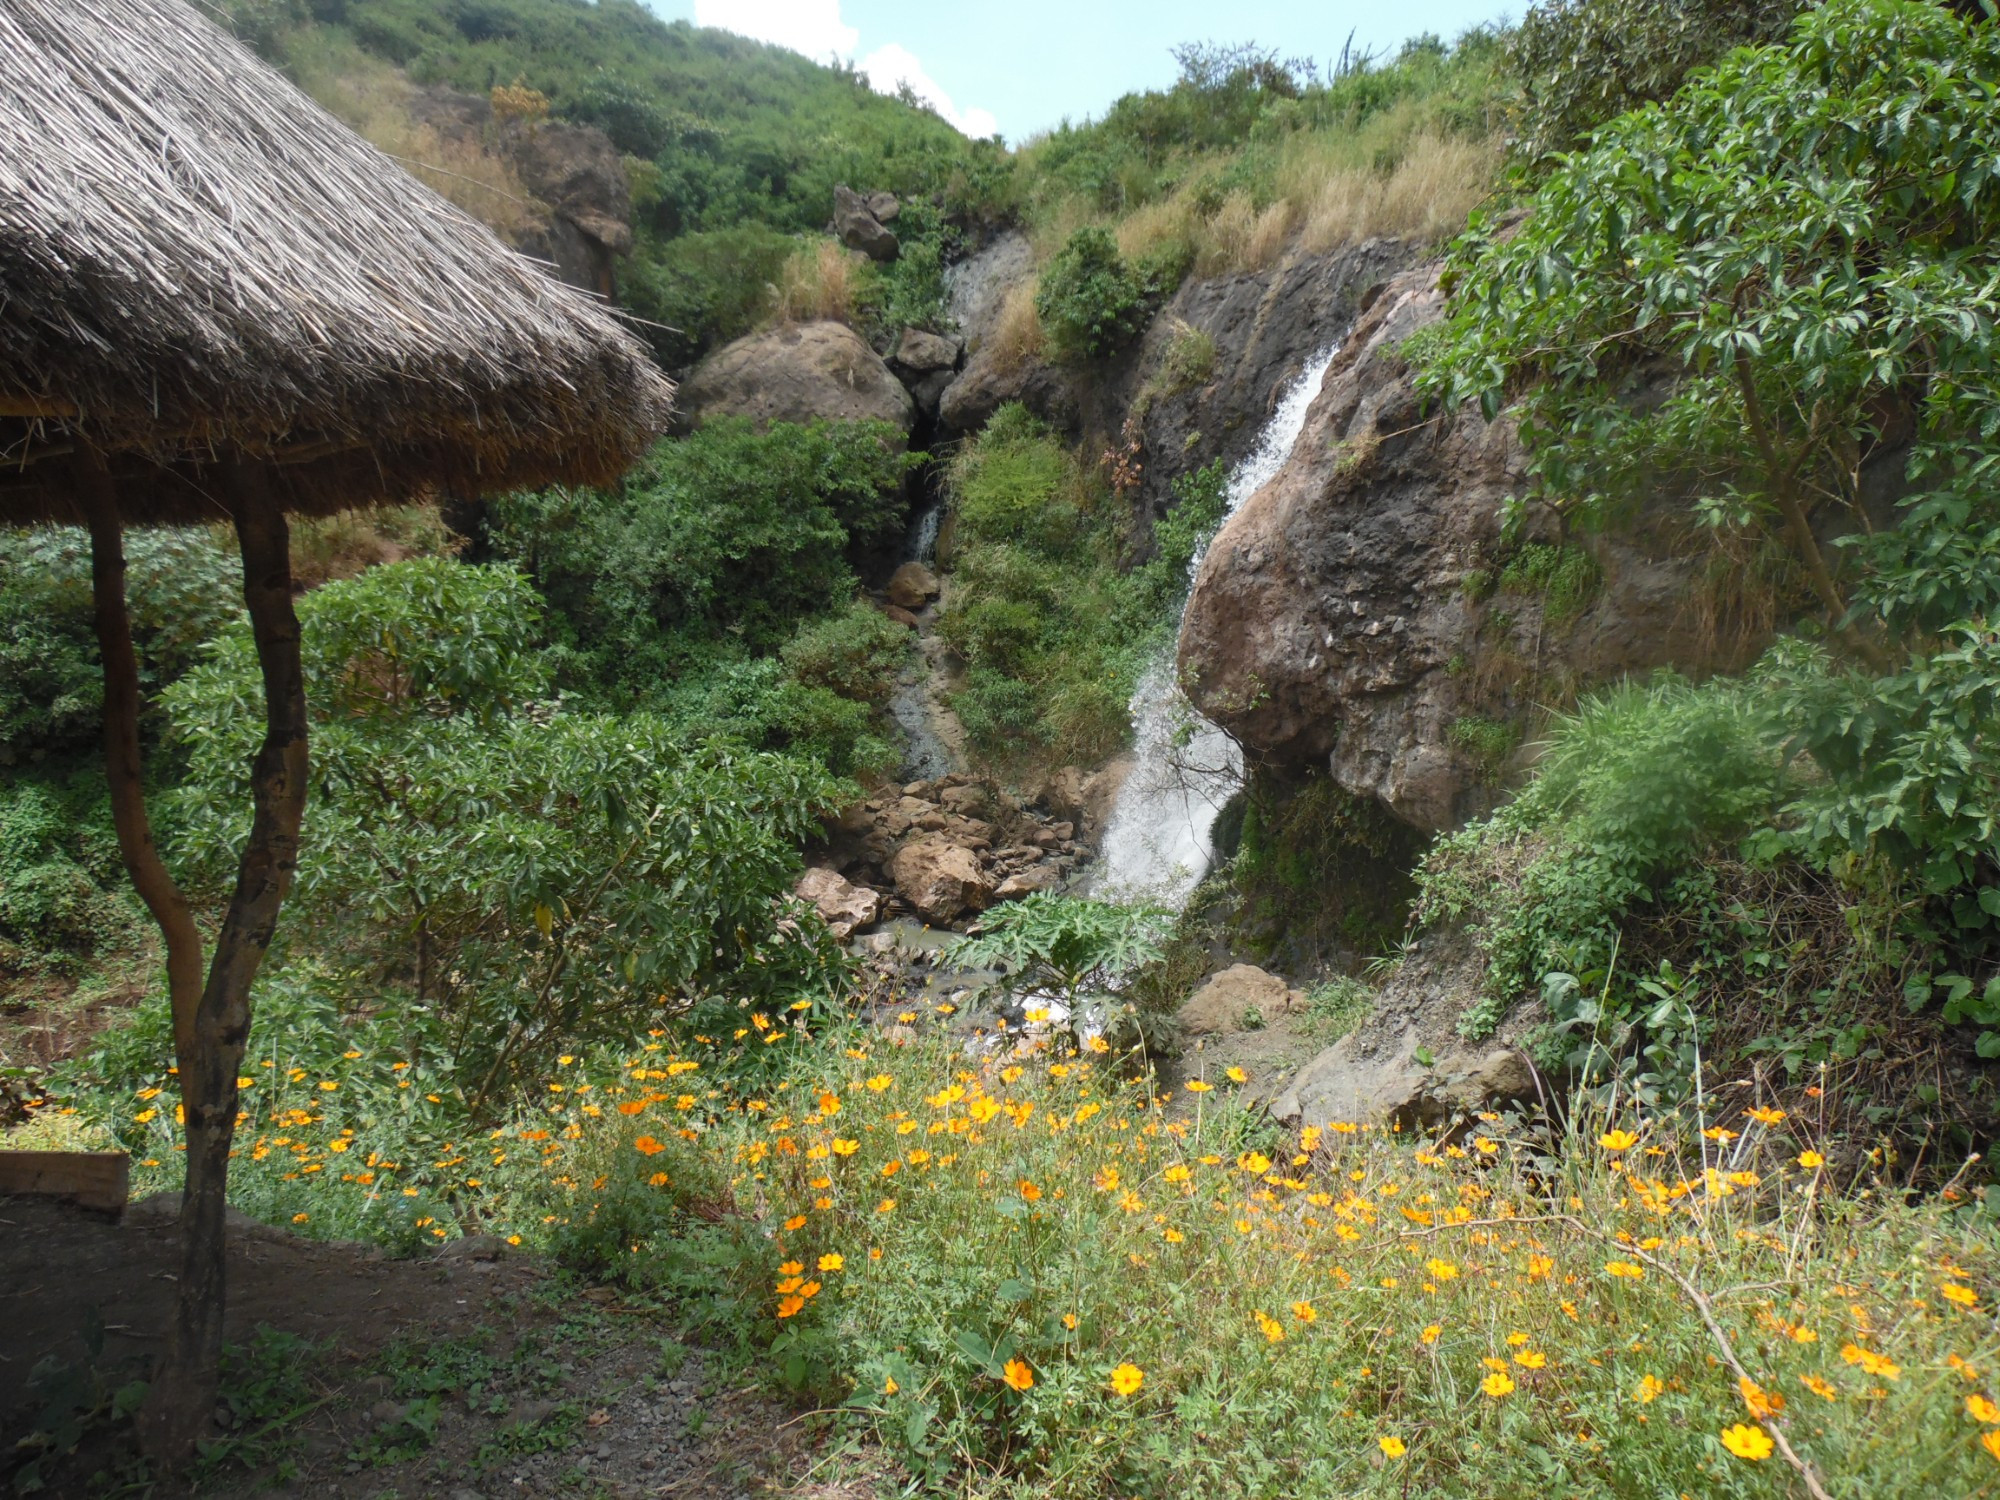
940, 879
901, 616
797, 373
989, 382
1027, 882
1062, 793
884, 206
1220, 1005
856, 226
977, 287
843, 905
1366, 1080
920, 353
912, 586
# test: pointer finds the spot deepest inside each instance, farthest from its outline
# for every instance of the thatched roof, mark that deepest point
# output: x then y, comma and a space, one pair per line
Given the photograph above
198, 262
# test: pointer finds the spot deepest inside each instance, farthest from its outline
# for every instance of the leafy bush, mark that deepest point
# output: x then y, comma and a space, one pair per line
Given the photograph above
182, 586
1581, 62
1062, 946
61, 880
538, 876
728, 536
704, 289
858, 654
1630, 789
1091, 303
1565, 577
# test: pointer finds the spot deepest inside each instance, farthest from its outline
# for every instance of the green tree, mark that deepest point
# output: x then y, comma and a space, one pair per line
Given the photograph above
538, 875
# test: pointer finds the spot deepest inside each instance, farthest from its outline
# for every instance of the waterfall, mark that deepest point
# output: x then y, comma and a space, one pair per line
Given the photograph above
1159, 840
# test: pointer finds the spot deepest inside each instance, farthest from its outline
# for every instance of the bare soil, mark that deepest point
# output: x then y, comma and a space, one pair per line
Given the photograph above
467, 1374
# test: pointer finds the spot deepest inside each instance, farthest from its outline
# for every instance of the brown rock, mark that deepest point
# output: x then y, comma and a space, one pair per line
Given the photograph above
856, 225
1218, 1007
800, 372
968, 801
844, 906
1329, 625
1026, 883
1062, 794
901, 616
912, 586
940, 879
884, 206
921, 353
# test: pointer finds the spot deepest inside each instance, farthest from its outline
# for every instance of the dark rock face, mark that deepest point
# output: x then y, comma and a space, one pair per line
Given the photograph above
1330, 620
856, 225
796, 373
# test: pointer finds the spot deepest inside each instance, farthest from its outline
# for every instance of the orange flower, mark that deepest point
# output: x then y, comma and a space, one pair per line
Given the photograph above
1819, 1387
787, 1306
632, 1107
1761, 1403
1649, 1390
1873, 1363
1018, 1375
647, 1146
1982, 1410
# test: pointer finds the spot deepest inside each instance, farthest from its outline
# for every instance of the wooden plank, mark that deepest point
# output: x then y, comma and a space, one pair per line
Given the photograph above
94, 1179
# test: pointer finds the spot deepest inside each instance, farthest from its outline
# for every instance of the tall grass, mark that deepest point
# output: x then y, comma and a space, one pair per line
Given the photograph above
821, 281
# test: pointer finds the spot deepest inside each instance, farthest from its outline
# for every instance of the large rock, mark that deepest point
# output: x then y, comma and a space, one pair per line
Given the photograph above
940, 879
1331, 621
912, 586
977, 286
845, 907
798, 373
1407, 1062
988, 382
920, 353
856, 225
1222, 1004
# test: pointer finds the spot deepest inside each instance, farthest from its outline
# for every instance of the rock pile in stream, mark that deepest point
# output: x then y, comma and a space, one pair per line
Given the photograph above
941, 851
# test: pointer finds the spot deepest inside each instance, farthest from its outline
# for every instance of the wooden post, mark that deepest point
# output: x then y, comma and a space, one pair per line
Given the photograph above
181, 1401
123, 772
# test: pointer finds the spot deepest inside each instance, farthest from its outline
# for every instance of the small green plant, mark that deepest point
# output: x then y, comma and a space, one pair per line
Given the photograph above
1334, 1007
1189, 360
1062, 945
1565, 577
1487, 741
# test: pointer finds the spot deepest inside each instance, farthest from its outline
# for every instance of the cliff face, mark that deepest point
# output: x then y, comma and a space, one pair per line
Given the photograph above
1343, 615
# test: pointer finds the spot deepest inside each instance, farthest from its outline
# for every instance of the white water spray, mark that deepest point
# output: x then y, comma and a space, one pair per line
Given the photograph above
1159, 841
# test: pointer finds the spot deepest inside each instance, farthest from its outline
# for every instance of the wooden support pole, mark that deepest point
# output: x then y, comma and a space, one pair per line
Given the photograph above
181, 1402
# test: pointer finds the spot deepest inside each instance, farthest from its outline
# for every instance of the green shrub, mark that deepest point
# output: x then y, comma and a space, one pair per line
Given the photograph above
182, 586
703, 290
1630, 789
857, 654
1565, 577
61, 881
1091, 303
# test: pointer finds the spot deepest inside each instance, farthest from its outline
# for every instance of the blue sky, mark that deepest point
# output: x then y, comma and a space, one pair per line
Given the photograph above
1021, 66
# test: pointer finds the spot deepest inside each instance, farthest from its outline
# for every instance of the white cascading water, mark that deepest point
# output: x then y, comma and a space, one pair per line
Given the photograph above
1159, 841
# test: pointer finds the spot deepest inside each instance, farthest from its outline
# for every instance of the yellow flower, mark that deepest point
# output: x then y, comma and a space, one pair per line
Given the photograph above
1625, 1268
1442, 1270
845, 1147
1430, 1334
658, 1179
1274, 1331
1018, 1375
1964, 1296
1196, 1086
1236, 1075
1069, 1321
145, 1116
1990, 1441
1485, 1147
1819, 1387
1106, 1178
1649, 1390
832, 1262
1745, 1441
1981, 1409
1098, 1044
886, 1206
1618, 1140
298, 1218
1528, 1359
889, 1386
1765, 1116
1254, 1162
880, 1082
829, 1104
1392, 1447
1304, 1312
1126, 1379
1497, 1385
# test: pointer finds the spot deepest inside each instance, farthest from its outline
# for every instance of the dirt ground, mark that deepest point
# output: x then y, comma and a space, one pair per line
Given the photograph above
469, 1374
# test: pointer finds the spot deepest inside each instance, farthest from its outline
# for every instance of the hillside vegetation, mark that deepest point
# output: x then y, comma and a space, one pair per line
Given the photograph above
543, 976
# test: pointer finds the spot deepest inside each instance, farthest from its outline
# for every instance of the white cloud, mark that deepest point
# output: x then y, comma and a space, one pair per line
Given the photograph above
813, 27
890, 67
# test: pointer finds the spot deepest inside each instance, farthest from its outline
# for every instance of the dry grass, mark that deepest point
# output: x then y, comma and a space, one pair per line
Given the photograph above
374, 99
821, 282
1426, 195
326, 548
1017, 332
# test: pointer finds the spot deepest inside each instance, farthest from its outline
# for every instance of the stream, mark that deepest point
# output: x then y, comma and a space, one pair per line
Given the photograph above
1159, 840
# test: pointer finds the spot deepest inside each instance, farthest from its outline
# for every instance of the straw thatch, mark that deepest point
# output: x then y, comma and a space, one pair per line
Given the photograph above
197, 263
